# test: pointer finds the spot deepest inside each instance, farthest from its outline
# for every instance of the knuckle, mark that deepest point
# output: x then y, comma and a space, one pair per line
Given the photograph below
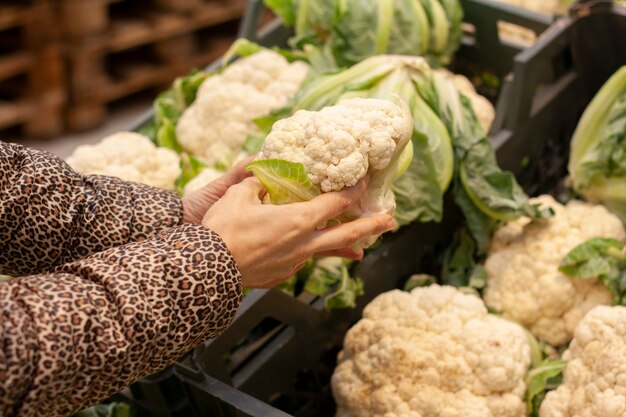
344, 202
380, 223
351, 236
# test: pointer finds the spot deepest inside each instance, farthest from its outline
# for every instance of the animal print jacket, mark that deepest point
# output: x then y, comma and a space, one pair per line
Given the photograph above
111, 287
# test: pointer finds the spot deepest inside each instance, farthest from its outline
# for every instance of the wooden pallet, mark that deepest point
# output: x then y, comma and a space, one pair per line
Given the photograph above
32, 84
141, 52
88, 107
82, 19
32, 92
187, 7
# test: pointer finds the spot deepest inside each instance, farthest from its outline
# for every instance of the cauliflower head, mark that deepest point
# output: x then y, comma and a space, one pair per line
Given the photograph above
523, 280
129, 156
429, 353
594, 380
205, 176
339, 144
214, 128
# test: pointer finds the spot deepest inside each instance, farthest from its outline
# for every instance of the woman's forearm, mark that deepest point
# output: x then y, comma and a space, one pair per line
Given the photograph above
51, 215
94, 326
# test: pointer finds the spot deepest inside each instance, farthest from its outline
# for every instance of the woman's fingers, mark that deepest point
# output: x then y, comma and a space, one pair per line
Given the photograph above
346, 235
249, 190
330, 205
237, 173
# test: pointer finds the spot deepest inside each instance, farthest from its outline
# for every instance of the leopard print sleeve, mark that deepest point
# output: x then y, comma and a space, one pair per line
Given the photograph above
84, 332
50, 215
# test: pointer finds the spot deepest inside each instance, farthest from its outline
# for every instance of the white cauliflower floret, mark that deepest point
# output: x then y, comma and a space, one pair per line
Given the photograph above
205, 176
430, 353
129, 156
338, 144
482, 107
215, 127
523, 280
594, 380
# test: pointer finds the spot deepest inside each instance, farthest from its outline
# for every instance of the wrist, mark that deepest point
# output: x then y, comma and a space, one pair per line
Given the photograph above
189, 212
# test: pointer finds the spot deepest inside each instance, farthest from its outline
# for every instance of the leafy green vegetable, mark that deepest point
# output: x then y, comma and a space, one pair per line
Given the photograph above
346, 293
191, 167
253, 144
417, 191
597, 164
536, 353
170, 105
107, 410
494, 192
357, 29
541, 379
460, 268
328, 276
601, 258
283, 9
286, 182
419, 280
326, 273
243, 48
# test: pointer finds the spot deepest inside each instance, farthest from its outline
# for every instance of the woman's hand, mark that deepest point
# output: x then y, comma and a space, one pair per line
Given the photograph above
196, 204
270, 243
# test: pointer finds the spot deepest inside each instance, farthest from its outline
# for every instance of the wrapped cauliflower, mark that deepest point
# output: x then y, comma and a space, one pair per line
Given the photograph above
430, 353
523, 278
129, 156
594, 380
215, 127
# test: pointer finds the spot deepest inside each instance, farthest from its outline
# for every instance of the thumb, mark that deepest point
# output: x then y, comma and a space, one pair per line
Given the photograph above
238, 172
249, 190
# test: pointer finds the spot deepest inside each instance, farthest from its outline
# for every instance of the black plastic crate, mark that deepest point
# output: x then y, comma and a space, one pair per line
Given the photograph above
540, 105
159, 395
280, 351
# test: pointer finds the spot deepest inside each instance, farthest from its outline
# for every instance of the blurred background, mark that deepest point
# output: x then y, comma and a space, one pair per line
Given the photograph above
73, 71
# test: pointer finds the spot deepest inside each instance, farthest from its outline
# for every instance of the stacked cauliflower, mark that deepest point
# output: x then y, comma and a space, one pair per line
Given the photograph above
594, 381
338, 144
129, 156
205, 177
433, 352
215, 127
524, 282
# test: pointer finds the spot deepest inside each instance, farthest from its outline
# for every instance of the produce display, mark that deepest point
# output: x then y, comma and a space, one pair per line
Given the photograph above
215, 126
597, 164
561, 277
522, 318
352, 30
449, 124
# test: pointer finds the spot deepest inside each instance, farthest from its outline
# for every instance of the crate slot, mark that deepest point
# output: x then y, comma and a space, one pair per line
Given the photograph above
259, 337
